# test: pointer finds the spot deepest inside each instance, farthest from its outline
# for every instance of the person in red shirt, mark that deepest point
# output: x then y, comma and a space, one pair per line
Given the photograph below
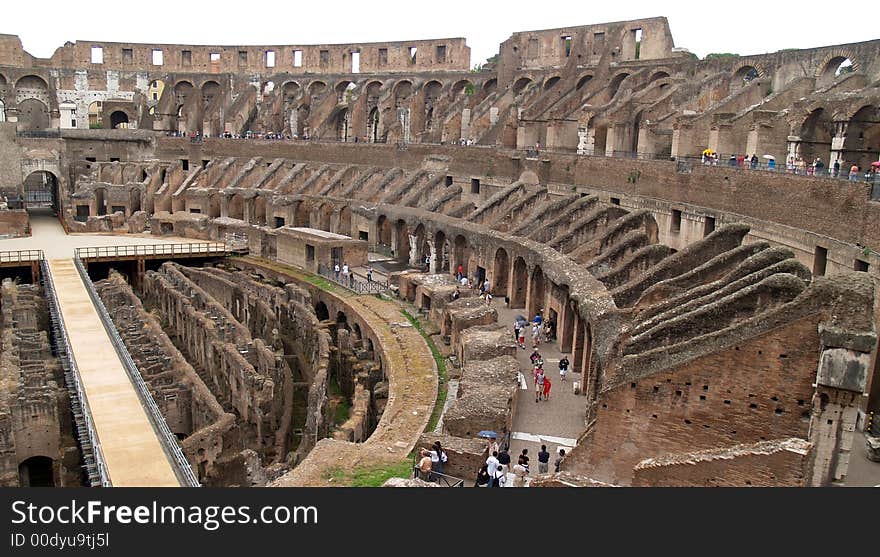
546, 388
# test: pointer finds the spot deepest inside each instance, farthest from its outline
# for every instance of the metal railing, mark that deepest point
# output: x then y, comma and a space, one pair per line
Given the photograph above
21, 256
150, 250
442, 480
353, 282
88, 436
172, 449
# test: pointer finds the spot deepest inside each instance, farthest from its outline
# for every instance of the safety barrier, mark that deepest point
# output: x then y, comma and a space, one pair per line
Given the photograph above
21, 256
150, 250
181, 465
353, 283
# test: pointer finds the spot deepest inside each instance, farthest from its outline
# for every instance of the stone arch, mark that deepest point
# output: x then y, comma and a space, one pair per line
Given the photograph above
383, 229
537, 292
658, 75
341, 320
317, 88
500, 272
40, 190
862, 143
291, 91
460, 254
260, 210
422, 247
33, 114
401, 231
134, 200
462, 85
614, 85
301, 215
211, 92
236, 207
344, 224
37, 471
521, 83
341, 120
29, 86
118, 119
747, 71
356, 333
373, 125
518, 287
402, 92
324, 216
321, 311
550, 82
583, 80
490, 86
816, 133
826, 70
441, 245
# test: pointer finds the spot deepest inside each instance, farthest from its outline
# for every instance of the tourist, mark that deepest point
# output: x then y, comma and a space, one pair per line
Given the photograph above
835, 169
486, 285
483, 477
345, 272
488, 298
522, 338
563, 367
539, 384
536, 335
463, 281
459, 273
524, 458
492, 464
854, 171
560, 459
519, 475
535, 357
754, 161
427, 263
504, 460
336, 271
543, 460
457, 294
369, 273
516, 329
438, 459
499, 477
547, 386
425, 465
818, 167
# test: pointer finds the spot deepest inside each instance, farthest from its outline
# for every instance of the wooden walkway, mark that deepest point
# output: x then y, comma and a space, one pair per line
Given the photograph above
132, 451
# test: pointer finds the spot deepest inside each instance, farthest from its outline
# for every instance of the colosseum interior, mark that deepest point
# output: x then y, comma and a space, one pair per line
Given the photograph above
711, 283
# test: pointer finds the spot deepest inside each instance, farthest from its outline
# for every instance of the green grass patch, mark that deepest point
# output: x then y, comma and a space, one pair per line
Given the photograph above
370, 476
440, 360
342, 410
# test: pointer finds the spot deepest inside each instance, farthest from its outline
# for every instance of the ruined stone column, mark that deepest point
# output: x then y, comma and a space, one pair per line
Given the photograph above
248, 210
794, 147
414, 251
224, 206
837, 142
433, 261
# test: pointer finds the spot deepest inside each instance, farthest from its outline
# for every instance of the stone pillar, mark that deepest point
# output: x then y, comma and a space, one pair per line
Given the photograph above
465, 123
224, 206
434, 264
794, 148
585, 142
414, 251
248, 210
837, 142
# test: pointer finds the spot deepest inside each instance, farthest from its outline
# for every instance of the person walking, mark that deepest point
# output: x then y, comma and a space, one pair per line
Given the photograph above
488, 298
835, 169
336, 271
519, 475
854, 171
543, 460
560, 459
547, 385
345, 272
369, 273
492, 465
503, 462
483, 477
563, 367
539, 384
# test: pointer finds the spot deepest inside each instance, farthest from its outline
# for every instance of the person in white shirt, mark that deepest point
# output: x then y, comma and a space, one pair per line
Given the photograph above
493, 464
336, 270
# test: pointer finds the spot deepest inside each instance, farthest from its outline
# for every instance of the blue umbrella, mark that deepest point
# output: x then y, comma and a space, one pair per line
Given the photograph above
488, 434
